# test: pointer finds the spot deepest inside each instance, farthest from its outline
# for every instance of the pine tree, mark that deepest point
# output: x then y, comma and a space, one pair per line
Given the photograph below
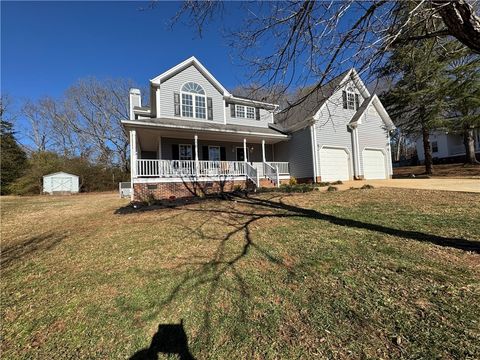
13, 159
464, 100
417, 100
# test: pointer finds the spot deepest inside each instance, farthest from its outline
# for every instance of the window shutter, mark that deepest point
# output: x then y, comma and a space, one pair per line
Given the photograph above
175, 154
223, 154
257, 113
176, 102
344, 95
205, 153
232, 110
209, 108
357, 102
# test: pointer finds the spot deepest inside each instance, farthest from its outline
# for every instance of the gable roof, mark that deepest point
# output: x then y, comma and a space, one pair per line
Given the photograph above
58, 173
308, 110
357, 118
185, 64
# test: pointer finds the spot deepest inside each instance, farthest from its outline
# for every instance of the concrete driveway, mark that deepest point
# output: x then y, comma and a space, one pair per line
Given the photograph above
448, 184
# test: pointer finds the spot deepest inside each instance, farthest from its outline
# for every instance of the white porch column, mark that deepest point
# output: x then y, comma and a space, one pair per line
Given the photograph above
245, 150
263, 151
133, 159
196, 155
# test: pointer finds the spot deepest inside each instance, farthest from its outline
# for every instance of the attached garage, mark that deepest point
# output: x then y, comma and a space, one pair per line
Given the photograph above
374, 164
60, 183
334, 164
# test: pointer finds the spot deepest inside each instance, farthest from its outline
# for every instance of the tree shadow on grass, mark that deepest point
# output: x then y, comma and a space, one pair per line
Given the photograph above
239, 214
30, 246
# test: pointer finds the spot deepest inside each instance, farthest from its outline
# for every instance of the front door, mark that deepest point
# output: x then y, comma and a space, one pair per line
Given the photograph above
240, 154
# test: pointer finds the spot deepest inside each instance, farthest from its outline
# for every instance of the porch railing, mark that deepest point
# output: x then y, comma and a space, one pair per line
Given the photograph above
283, 168
271, 173
188, 168
252, 173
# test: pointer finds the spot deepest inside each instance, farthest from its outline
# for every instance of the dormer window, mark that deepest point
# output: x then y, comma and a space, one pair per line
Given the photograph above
350, 99
193, 101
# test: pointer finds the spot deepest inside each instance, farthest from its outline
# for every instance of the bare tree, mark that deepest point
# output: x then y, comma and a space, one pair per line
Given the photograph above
322, 38
97, 110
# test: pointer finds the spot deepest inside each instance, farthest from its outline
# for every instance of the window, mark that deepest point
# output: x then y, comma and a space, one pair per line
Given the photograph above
250, 112
200, 107
185, 152
214, 153
434, 146
350, 99
193, 101
187, 105
240, 111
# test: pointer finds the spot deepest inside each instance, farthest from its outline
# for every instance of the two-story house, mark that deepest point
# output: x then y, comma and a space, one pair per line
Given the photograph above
195, 133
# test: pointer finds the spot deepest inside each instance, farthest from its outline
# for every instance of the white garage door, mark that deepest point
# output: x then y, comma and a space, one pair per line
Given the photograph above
61, 184
334, 164
374, 164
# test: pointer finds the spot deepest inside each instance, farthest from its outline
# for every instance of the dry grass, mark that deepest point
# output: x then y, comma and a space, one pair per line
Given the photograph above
441, 170
381, 273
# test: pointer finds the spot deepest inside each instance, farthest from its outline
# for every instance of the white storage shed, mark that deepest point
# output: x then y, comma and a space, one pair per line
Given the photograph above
60, 183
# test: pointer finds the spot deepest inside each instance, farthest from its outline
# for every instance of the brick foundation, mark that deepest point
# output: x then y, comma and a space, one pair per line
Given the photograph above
166, 190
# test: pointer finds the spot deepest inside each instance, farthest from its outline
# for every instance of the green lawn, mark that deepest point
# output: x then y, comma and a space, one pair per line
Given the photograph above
380, 273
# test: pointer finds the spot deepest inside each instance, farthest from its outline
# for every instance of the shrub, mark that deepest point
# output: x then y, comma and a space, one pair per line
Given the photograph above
338, 182
332, 188
237, 188
292, 181
367, 186
323, 183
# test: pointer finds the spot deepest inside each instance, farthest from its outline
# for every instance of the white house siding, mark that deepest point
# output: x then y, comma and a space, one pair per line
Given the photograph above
175, 83
332, 124
298, 152
442, 143
265, 118
373, 134
255, 150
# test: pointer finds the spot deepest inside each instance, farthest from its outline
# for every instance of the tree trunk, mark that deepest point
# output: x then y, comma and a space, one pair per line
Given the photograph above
469, 142
427, 149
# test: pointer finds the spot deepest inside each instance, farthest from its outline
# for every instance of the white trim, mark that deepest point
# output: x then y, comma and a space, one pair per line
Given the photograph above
157, 101
178, 127
250, 101
183, 65
381, 111
350, 170
194, 102
313, 148
188, 180
245, 150
224, 111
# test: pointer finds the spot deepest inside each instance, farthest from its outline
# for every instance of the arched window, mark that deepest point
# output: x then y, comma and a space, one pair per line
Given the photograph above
350, 98
193, 100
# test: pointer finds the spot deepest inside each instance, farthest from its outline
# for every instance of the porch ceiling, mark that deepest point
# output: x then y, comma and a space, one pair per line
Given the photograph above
185, 129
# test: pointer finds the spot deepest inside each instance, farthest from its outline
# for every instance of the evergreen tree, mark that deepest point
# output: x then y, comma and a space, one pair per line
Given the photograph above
13, 159
417, 99
464, 100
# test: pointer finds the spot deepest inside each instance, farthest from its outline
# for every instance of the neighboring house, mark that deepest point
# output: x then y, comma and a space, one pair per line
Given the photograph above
446, 146
197, 134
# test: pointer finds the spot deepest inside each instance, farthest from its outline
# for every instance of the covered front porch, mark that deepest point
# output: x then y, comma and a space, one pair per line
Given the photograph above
169, 155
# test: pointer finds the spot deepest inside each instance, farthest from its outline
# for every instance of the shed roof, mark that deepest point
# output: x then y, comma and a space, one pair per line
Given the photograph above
58, 173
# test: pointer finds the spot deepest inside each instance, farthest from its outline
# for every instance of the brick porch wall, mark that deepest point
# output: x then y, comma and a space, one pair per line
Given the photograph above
165, 190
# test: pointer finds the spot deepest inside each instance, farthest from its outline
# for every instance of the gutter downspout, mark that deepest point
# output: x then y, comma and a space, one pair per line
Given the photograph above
313, 133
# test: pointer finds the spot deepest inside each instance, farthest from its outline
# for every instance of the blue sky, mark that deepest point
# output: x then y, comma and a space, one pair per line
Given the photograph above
47, 46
